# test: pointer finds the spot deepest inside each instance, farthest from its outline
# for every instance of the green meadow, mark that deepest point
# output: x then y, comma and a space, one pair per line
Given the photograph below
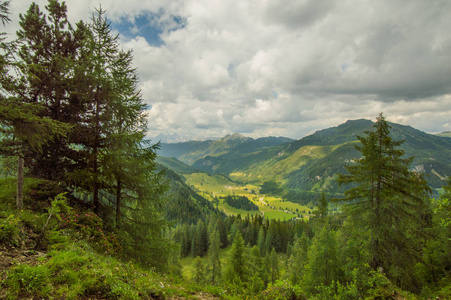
217, 186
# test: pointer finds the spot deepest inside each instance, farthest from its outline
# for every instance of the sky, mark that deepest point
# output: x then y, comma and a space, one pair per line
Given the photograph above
281, 67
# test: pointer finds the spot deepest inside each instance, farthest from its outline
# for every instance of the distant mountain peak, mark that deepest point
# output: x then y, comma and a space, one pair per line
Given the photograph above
234, 136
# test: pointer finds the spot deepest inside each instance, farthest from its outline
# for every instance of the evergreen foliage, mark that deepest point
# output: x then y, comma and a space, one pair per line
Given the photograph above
74, 113
241, 202
322, 267
271, 188
388, 201
236, 272
76, 116
214, 257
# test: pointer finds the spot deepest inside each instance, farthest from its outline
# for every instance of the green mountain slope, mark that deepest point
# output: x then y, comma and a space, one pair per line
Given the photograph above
310, 164
176, 165
444, 134
185, 205
189, 152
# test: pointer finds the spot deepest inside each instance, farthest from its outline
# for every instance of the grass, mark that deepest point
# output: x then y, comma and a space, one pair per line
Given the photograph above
72, 266
213, 183
80, 272
279, 215
235, 211
279, 166
210, 186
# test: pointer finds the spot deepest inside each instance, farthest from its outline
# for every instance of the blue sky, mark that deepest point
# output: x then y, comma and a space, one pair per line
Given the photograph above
142, 25
282, 67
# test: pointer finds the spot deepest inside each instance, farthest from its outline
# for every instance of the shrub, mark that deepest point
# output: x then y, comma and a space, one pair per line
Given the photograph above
9, 231
282, 290
90, 226
28, 280
37, 193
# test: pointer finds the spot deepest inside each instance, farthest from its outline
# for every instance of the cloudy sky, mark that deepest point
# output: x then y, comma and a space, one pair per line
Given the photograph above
282, 67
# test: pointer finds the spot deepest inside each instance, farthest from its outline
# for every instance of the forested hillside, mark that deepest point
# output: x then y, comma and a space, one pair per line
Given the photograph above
88, 210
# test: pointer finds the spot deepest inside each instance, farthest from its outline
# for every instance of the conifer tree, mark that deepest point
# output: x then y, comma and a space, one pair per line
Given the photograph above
298, 259
261, 241
257, 270
323, 208
22, 125
273, 266
200, 240
44, 56
236, 267
388, 200
199, 271
322, 267
214, 257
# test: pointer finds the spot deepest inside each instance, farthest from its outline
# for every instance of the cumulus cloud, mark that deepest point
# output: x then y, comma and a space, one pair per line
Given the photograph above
283, 67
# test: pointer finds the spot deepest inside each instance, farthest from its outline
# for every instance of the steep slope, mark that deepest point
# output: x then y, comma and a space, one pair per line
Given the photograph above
176, 165
343, 133
184, 205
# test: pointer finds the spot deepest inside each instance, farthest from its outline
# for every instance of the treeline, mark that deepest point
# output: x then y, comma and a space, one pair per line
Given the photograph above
255, 230
72, 113
240, 202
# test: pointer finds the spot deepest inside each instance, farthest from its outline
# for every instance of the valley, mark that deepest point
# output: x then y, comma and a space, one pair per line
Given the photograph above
216, 187
93, 207
285, 178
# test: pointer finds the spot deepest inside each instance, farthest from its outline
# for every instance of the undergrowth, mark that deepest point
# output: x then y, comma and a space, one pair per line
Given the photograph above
80, 260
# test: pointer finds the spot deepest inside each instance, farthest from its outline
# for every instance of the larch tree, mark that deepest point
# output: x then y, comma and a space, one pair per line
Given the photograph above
322, 266
387, 200
273, 266
236, 266
122, 163
214, 257
298, 259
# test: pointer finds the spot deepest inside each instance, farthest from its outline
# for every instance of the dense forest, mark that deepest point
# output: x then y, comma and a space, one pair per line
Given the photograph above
241, 202
86, 212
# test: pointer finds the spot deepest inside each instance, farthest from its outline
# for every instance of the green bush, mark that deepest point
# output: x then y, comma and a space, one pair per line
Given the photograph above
7, 194
282, 290
9, 231
24, 280
37, 193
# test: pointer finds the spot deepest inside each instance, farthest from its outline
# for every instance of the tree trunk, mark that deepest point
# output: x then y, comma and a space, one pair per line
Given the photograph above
118, 203
95, 198
19, 195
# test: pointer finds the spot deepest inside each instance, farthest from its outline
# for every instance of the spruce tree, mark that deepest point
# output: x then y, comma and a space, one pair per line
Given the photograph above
22, 125
45, 55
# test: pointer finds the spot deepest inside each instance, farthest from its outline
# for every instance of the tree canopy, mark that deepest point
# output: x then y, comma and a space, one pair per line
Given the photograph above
387, 199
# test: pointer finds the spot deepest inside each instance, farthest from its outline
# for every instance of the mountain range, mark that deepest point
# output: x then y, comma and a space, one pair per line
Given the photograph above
308, 166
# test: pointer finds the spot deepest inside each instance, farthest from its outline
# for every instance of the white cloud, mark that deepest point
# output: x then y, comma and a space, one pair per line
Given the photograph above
287, 67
